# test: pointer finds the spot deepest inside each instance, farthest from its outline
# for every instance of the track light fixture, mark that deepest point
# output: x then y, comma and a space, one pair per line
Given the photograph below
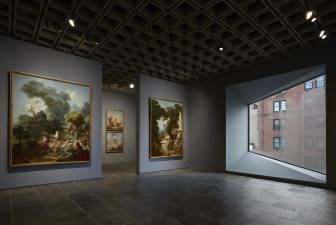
71, 22
322, 33
313, 19
220, 49
309, 14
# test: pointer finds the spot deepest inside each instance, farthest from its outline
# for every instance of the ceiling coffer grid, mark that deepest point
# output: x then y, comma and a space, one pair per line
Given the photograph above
173, 40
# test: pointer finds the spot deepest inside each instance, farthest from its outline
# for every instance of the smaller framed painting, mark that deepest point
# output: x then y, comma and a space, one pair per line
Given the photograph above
114, 120
114, 142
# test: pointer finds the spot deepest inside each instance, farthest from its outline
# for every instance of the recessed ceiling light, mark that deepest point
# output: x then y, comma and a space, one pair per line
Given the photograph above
309, 14
72, 22
322, 33
314, 19
221, 49
131, 85
324, 37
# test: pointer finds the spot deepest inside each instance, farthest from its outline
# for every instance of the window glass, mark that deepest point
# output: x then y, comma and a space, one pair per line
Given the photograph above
276, 142
276, 124
320, 82
308, 85
276, 106
309, 143
302, 143
283, 105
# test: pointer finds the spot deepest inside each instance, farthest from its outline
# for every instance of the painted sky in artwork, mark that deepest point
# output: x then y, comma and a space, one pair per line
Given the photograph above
114, 136
115, 114
22, 104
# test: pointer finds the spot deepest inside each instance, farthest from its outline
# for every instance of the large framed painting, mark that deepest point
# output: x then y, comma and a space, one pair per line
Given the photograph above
166, 128
49, 120
114, 142
114, 120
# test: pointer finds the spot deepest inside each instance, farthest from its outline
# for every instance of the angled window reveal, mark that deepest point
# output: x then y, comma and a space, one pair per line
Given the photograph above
291, 126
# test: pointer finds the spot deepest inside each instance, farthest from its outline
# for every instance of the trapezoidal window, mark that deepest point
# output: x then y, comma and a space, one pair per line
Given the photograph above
291, 126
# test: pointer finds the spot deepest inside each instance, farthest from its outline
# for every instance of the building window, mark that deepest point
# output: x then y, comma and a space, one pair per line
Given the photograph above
283, 142
309, 143
320, 143
279, 105
320, 121
320, 82
309, 122
279, 142
283, 123
276, 106
320, 162
308, 85
308, 102
283, 105
276, 124
276, 142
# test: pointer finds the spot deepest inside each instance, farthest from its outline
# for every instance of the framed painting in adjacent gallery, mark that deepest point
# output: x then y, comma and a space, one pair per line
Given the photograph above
49, 121
166, 128
114, 142
114, 120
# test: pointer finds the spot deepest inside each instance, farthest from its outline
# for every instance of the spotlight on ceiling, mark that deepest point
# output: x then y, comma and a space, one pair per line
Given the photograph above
324, 36
131, 85
322, 33
72, 22
220, 49
309, 14
314, 19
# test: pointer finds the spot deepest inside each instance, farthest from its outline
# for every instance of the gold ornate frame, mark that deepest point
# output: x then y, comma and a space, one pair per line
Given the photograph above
10, 118
150, 130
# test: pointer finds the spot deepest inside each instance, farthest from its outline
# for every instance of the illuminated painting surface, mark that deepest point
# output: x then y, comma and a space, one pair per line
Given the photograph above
49, 121
114, 120
166, 126
114, 142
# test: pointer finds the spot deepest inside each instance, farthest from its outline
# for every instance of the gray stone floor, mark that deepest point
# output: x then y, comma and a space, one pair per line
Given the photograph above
165, 198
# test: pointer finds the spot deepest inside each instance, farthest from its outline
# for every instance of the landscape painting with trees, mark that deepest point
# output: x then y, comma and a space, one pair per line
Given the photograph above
49, 121
166, 128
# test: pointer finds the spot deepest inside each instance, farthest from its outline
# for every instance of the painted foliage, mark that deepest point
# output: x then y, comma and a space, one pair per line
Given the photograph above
49, 121
166, 128
114, 120
114, 142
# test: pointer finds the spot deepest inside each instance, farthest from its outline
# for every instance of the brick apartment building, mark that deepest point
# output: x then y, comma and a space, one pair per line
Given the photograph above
290, 126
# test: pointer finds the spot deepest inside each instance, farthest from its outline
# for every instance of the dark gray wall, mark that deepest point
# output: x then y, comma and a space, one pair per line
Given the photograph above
207, 127
21, 56
208, 103
152, 87
127, 103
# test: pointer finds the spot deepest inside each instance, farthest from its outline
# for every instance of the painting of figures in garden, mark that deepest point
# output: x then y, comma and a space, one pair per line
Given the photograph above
166, 128
114, 142
114, 120
49, 121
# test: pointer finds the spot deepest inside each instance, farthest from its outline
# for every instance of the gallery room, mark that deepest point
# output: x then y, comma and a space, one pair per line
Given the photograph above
167, 112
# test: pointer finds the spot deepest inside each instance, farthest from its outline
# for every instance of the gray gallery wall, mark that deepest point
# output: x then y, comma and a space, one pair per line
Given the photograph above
127, 103
152, 87
208, 97
21, 56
